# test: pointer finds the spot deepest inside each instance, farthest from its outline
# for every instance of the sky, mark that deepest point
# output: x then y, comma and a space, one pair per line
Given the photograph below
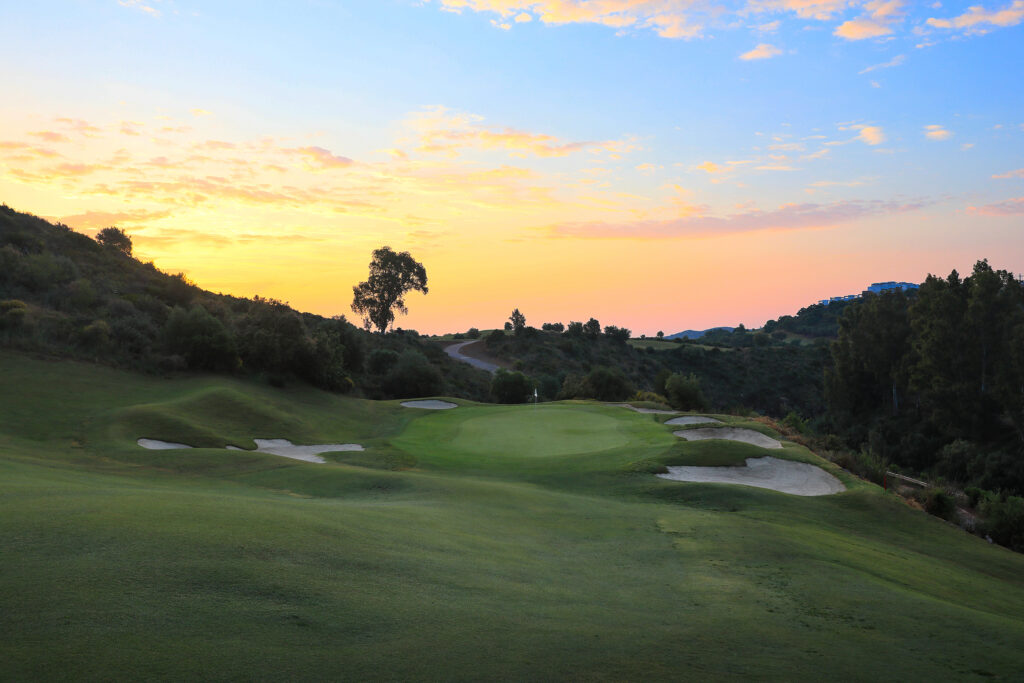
655, 164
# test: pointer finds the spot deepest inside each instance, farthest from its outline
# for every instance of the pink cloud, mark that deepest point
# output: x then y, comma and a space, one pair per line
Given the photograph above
785, 218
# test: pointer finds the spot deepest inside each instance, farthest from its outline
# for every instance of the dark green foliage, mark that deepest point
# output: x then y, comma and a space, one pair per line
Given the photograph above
414, 376
201, 339
473, 333
933, 382
575, 329
937, 502
12, 313
553, 327
601, 383
68, 283
591, 329
1004, 520
511, 387
381, 361
617, 334
115, 239
683, 392
392, 276
518, 321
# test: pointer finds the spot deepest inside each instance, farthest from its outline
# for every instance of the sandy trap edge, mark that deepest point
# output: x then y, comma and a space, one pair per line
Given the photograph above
786, 476
729, 434
430, 404
281, 447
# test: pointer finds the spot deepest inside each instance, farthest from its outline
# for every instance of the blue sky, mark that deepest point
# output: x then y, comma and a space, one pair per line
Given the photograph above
842, 141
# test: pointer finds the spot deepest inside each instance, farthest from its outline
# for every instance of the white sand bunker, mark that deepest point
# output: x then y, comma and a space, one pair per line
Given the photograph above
430, 404
652, 411
158, 445
730, 434
282, 447
797, 478
692, 420
287, 449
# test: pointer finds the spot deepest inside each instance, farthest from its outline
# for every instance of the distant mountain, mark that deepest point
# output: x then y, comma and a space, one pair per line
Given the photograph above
697, 334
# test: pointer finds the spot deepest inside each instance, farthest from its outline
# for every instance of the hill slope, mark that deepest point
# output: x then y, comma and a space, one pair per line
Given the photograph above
443, 554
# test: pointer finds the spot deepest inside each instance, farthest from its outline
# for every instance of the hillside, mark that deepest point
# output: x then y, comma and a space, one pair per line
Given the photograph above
66, 295
483, 542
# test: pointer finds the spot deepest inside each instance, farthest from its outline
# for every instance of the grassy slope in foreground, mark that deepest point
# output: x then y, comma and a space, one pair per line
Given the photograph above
478, 561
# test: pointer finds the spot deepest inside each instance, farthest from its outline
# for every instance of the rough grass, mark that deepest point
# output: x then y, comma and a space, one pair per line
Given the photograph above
485, 543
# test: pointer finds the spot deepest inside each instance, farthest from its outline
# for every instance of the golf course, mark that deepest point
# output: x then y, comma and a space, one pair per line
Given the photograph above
477, 542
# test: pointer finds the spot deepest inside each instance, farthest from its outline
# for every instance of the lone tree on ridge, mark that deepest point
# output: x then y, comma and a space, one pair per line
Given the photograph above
115, 238
392, 275
518, 321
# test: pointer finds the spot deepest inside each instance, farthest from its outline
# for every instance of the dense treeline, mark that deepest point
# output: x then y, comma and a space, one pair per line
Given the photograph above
66, 294
934, 382
739, 372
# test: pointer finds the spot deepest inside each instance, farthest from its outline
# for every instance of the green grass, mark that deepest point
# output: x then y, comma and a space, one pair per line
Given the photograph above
485, 542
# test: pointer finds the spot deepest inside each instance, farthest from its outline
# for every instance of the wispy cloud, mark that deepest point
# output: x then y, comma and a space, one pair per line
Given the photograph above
1019, 173
441, 130
937, 132
978, 20
895, 61
785, 218
1010, 207
762, 51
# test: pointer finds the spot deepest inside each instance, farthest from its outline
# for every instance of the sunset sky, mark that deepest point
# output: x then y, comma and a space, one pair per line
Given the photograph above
656, 164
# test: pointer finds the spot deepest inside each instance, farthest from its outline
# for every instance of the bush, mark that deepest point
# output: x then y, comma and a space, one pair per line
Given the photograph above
414, 376
381, 361
1004, 520
202, 339
937, 502
606, 385
684, 392
12, 313
649, 397
496, 337
511, 387
473, 333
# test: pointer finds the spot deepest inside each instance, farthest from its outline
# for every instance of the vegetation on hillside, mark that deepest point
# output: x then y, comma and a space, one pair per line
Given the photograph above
65, 294
934, 383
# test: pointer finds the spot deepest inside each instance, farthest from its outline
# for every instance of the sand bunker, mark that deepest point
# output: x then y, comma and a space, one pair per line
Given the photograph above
287, 449
797, 478
653, 411
693, 420
730, 434
430, 404
282, 447
158, 445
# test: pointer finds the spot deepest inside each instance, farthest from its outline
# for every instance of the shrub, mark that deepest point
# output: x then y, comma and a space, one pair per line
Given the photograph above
1004, 520
511, 387
496, 337
936, 502
413, 376
649, 397
202, 339
473, 333
381, 361
684, 392
95, 335
12, 313
605, 385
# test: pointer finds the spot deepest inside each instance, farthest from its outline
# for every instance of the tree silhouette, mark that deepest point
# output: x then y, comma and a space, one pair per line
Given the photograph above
115, 238
392, 275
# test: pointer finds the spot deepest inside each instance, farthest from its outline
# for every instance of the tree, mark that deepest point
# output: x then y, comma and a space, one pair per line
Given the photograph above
661, 335
592, 328
518, 321
618, 334
115, 238
511, 387
392, 275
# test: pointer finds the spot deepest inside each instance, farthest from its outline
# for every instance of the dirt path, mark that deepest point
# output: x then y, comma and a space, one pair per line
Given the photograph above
455, 351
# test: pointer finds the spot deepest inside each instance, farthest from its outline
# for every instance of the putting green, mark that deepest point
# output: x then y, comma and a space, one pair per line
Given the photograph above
539, 431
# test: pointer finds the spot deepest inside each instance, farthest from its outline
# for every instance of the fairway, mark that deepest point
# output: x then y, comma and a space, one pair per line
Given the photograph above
478, 543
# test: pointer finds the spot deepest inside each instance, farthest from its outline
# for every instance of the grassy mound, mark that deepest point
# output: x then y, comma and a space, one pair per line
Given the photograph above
487, 542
